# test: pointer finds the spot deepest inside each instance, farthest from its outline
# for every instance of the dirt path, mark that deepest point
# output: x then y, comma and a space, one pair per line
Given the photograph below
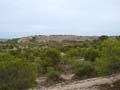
89, 84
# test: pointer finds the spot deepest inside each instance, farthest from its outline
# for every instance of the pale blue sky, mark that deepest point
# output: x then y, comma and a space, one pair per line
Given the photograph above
80, 17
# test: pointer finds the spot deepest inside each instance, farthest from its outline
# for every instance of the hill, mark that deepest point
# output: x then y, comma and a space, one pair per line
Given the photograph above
3, 40
56, 38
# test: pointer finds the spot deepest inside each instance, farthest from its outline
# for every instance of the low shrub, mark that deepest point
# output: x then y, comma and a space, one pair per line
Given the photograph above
109, 61
17, 75
84, 69
53, 75
49, 57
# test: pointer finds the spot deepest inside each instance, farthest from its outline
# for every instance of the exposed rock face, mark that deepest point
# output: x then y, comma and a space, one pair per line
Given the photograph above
25, 40
57, 38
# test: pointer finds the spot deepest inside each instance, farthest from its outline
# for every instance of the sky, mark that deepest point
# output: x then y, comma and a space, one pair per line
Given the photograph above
20, 18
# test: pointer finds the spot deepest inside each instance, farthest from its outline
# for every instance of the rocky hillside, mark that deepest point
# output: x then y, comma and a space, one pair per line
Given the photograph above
56, 38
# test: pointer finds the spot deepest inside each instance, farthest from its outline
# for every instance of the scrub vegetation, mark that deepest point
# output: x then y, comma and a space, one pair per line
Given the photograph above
22, 63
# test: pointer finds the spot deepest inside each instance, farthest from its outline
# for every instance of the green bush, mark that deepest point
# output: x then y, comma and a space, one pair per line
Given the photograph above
73, 53
90, 54
52, 74
109, 60
84, 69
4, 56
102, 67
50, 57
17, 75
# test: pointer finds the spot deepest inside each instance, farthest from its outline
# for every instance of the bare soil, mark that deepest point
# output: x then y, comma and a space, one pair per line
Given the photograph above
88, 84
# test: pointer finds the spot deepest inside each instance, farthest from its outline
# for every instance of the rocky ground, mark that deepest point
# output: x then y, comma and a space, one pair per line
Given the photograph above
88, 84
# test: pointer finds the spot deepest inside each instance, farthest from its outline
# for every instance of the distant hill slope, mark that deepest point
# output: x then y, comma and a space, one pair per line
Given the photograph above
3, 40
56, 38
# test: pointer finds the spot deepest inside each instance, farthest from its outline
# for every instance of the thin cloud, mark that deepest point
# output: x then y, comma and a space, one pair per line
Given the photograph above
81, 17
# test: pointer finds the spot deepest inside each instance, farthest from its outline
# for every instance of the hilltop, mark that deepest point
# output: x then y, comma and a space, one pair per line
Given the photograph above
56, 38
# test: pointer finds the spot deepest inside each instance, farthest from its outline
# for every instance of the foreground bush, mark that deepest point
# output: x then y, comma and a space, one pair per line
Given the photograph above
17, 75
53, 75
109, 61
4, 56
84, 69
